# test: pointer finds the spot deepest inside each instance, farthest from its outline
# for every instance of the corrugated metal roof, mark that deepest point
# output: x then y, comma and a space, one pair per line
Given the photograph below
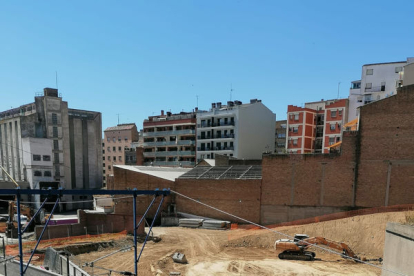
224, 172
168, 173
120, 127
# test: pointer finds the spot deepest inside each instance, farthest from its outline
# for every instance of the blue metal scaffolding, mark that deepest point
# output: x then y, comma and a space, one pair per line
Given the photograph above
59, 192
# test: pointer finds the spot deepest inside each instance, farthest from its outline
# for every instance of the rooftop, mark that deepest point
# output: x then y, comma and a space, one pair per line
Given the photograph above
121, 127
224, 172
382, 63
168, 173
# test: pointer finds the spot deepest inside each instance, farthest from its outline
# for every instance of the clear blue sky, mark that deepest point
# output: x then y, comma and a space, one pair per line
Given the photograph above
138, 57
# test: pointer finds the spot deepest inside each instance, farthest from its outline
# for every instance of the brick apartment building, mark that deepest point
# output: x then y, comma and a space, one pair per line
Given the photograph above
169, 140
116, 146
317, 127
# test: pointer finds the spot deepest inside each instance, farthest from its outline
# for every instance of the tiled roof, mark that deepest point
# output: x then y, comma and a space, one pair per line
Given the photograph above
120, 127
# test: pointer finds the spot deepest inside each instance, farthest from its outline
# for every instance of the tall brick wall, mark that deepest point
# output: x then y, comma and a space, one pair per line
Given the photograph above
387, 151
238, 197
126, 179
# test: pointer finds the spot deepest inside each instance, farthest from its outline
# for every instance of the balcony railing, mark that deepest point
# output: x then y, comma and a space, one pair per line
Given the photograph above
168, 153
222, 136
170, 163
168, 132
215, 124
215, 148
169, 143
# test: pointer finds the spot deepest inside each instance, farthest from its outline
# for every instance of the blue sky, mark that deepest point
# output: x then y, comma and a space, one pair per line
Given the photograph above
135, 58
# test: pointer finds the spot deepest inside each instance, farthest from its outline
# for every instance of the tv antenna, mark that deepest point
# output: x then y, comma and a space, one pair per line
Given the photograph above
231, 90
118, 117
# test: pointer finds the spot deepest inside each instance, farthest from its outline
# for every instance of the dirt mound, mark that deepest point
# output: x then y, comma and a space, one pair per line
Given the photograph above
364, 234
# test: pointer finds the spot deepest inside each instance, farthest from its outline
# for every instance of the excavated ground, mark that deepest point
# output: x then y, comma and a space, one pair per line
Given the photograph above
251, 252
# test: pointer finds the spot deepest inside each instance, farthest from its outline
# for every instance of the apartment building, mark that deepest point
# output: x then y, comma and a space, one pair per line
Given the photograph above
236, 129
51, 145
316, 127
280, 137
117, 145
169, 140
378, 81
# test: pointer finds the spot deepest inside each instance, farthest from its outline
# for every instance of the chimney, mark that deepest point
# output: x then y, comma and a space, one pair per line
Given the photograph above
162, 112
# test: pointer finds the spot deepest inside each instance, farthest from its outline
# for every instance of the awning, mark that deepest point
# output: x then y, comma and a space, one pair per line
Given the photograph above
335, 145
352, 125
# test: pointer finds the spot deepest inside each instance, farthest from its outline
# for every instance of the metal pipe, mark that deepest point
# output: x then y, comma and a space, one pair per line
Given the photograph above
134, 212
34, 216
41, 234
149, 207
152, 224
9, 176
19, 233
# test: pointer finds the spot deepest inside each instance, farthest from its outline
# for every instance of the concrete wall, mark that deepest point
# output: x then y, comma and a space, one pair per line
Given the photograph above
398, 249
13, 268
91, 224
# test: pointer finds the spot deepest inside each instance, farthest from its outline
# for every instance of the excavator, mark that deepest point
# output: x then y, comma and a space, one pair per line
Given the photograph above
296, 249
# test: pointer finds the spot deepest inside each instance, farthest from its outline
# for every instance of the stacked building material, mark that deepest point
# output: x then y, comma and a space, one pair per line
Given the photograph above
215, 224
191, 223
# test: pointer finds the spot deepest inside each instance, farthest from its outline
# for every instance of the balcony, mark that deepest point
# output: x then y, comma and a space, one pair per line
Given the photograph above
216, 124
170, 163
169, 153
375, 89
168, 132
169, 143
215, 148
222, 136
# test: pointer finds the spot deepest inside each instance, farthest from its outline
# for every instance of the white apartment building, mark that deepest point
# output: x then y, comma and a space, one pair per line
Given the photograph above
240, 130
378, 81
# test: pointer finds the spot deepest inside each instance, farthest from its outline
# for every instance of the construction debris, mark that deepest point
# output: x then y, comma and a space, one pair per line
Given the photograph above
191, 223
216, 224
179, 258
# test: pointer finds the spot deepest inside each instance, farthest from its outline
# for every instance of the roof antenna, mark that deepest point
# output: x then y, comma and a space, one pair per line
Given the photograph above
118, 117
231, 90
57, 87
338, 89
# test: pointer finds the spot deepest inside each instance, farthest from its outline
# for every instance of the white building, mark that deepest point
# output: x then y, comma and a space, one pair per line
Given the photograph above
236, 129
378, 81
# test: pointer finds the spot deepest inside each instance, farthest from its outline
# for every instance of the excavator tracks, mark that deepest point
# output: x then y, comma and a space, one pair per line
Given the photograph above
295, 255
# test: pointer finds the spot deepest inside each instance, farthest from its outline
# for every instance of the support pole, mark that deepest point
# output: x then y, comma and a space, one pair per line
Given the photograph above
34, 216
134, 212
19, 232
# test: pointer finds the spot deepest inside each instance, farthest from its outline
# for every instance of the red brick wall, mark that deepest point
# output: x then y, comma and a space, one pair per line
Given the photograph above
238, 197
387, 148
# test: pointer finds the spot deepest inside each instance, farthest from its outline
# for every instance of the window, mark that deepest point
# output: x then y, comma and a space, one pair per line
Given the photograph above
56, 144
331, 140
340, 112
370, 71
114, 158
295, 142
295, 129
37, 173
126, 138
55, 132
359, 99
281, 135
113, 139
283, 125
109, 167
108, 149
103, 151
36, 157
47, 173
54, 118
332, 127
398, 69
103, 158
114, 148
120, 158
368, 85
57, 171
119, 149
46, 157
383, 86
119, 139
56, 157
109, 158
296, 117
108, 139
333, 113
338, 139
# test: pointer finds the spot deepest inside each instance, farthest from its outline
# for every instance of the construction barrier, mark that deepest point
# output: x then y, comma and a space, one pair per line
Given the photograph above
335, 216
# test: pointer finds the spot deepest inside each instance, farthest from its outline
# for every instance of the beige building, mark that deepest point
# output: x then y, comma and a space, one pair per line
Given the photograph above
117, 141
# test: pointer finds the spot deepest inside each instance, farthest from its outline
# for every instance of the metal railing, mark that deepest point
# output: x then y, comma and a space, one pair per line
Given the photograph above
168, 153
216, 124
375, 89
168, 132
221, 136
215, 148
170, 163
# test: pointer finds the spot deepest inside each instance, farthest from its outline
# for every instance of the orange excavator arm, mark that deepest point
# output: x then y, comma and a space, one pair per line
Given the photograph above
331, 244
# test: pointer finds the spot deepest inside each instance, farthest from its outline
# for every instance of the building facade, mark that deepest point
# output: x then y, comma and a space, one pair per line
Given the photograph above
169, 140
67, 140
280, 137
378, 81
236, 129
316, 127
117, 145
